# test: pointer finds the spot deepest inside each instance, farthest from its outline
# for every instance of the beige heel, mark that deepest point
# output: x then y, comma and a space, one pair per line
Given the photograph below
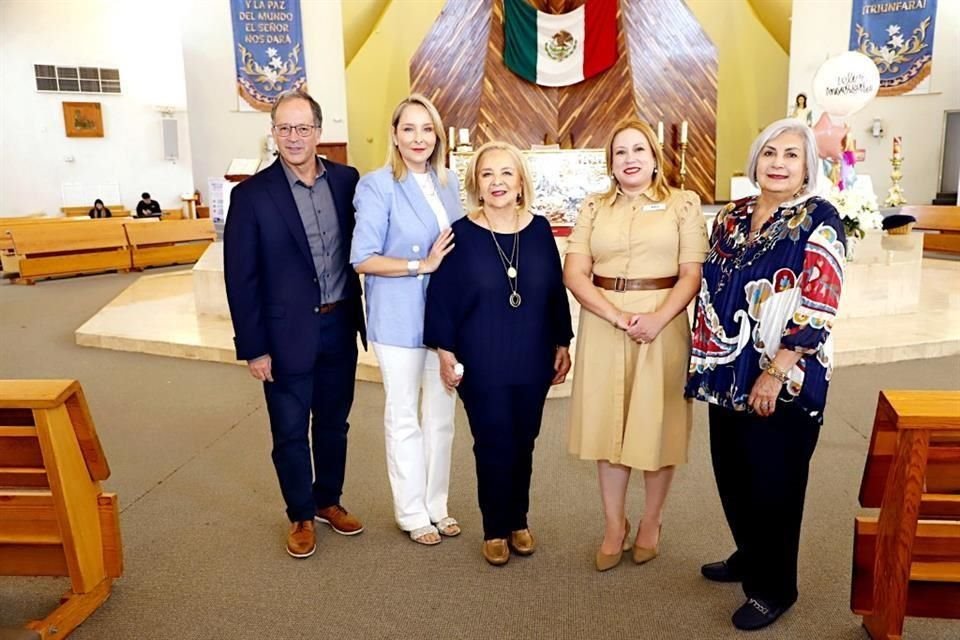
609, 561
642, 555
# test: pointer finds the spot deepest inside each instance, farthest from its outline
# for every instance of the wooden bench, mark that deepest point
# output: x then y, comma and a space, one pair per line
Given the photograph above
54, 518
69, 249
940, 224
116, 211
907, 560
170, 242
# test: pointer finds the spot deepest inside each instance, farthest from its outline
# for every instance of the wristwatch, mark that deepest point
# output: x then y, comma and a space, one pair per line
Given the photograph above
413, 266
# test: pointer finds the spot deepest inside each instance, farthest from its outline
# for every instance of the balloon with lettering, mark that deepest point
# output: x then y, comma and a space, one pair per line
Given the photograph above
829, 137
846, 83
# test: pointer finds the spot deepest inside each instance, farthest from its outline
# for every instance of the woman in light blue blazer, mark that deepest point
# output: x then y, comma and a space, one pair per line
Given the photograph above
404, 213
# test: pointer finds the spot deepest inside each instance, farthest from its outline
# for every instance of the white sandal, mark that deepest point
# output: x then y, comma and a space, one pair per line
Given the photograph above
417, 535
448, 527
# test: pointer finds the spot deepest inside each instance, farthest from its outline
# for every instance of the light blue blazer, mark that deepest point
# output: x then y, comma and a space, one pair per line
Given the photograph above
395, 220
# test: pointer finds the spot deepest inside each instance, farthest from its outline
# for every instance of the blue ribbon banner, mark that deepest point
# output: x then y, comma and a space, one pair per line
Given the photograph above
898, 36
268, 43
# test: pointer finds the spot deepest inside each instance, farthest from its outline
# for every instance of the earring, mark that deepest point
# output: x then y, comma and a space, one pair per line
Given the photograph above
654, 174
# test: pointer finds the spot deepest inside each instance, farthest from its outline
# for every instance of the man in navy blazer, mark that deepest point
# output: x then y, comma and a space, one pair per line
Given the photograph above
296, 311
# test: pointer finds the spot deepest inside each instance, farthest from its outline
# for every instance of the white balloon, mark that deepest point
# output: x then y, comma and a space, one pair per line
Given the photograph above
846, 83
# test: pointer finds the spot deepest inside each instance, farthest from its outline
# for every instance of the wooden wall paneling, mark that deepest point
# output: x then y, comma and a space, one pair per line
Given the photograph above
448, 66
590, 110
666, 70
511, 108
674, 67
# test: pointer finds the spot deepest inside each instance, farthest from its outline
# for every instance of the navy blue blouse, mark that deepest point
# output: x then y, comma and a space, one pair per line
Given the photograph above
468, 310
779, 291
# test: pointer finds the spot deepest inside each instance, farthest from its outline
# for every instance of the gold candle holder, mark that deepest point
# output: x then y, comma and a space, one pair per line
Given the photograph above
683, 164
895, 196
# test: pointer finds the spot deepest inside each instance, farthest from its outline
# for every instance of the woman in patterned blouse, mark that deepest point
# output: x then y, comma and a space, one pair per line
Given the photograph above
762, 357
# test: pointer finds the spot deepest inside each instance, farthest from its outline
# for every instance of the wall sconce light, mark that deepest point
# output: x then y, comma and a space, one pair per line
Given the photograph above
876, 129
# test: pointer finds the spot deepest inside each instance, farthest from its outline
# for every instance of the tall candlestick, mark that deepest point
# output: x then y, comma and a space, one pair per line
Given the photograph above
683, 132
683, 162
660, 133
895, 196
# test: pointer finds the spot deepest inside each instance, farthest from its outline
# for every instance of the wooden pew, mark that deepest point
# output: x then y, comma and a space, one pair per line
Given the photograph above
8, 258
116, 210
69, 249
54, 518
170, 242
907, 560
940, 224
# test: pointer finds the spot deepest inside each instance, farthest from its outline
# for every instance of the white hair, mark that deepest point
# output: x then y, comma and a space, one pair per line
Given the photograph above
787, 125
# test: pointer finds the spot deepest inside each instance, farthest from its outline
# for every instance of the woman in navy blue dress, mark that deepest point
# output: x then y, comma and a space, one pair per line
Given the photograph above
498, 315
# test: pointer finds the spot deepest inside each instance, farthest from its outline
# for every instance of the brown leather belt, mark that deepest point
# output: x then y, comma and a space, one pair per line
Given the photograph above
327, 308
634, 284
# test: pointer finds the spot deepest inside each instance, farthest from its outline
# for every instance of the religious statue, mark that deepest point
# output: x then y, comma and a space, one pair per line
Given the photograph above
801, 111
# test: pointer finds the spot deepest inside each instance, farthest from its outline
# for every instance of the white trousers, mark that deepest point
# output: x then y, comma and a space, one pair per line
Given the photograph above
418, 450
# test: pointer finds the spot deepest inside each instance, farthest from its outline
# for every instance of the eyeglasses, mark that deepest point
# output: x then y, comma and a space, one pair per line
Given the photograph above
303, 130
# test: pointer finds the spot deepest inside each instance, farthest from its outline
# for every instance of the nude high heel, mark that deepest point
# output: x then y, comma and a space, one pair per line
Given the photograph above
642, 555
609, 561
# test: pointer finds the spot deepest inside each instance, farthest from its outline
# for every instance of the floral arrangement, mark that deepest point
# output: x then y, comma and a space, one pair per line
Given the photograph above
858, 209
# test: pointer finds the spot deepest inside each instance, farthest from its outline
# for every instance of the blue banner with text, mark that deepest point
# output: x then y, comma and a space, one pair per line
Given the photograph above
268, 44
898, 36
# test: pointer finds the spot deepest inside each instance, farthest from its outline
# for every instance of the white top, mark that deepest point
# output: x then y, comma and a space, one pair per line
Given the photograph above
425, 182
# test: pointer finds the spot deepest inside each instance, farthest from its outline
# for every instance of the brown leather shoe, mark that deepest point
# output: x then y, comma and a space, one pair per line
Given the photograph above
302, 539
522, 542
496, 551
339, 520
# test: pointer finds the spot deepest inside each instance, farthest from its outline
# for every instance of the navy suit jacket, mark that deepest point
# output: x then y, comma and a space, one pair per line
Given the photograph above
272, 287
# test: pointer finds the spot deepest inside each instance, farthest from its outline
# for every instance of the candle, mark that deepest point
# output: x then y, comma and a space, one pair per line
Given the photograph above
660, 133
896, 147
465, 136
683, 132
451, 139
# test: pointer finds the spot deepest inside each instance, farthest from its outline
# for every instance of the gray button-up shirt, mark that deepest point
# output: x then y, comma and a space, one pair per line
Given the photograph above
319, 216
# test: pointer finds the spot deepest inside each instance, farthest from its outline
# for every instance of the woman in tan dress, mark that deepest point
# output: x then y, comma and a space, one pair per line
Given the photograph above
633, 262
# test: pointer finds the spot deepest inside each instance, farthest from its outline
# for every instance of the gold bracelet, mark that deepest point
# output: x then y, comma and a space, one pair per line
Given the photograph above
777, 372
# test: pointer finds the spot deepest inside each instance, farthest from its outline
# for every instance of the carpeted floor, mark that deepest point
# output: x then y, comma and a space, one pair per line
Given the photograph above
203, 523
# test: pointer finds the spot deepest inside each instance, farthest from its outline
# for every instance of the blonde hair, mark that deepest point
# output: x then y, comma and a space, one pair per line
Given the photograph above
472, 181
436, 160
659, 182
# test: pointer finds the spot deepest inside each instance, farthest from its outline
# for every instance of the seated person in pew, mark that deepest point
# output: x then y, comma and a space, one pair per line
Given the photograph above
99, 210
147, 207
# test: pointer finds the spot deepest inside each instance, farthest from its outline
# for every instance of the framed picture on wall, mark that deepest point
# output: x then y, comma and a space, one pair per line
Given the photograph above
83, 119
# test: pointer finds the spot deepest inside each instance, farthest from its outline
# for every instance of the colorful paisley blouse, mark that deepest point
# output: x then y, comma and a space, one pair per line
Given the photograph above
780, 290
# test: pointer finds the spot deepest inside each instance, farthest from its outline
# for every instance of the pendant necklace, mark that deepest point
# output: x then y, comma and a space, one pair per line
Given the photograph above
511, 264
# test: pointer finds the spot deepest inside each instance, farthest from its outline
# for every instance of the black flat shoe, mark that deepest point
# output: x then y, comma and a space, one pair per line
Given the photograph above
721, 572
757, 614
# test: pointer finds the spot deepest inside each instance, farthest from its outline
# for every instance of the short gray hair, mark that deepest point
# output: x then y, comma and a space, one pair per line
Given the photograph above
296, 94
787, 125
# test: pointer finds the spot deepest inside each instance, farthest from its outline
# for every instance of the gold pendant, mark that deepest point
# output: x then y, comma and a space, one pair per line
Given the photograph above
515, 300
511, 273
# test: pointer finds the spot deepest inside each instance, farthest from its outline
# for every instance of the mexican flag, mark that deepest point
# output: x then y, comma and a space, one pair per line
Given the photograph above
557, 50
